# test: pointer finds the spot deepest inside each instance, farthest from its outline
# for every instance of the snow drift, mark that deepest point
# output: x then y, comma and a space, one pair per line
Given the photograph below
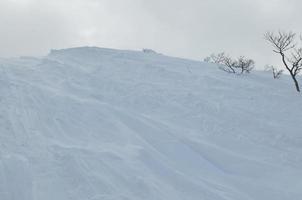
100, 124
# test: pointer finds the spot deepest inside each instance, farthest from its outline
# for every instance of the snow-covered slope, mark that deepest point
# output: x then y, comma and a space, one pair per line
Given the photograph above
102, 124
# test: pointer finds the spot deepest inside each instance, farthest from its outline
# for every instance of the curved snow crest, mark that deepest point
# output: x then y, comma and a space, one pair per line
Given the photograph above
100, 124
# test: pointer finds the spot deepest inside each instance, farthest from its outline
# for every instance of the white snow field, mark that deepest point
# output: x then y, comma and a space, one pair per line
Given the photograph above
101, 124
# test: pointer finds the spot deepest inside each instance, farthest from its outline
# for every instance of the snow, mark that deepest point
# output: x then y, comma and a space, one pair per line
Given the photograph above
102, 124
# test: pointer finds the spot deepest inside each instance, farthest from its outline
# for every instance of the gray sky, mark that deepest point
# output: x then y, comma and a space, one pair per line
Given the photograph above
185, 28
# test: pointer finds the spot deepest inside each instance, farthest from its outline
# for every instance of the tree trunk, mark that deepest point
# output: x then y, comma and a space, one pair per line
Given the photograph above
296, 83
291, 72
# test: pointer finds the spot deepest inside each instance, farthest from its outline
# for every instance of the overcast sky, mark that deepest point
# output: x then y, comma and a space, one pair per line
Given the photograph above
185, 28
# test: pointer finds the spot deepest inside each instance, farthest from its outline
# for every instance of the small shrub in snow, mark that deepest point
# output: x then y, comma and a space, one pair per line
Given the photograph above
276, 72
149, 51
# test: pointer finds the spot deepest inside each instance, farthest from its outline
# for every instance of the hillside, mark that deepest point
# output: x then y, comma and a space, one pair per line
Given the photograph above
101, 124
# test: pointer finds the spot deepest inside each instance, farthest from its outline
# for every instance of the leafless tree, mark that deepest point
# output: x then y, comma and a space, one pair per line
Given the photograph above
235, 66
245, 65
216, 58
284, 44
276, 72
228, 65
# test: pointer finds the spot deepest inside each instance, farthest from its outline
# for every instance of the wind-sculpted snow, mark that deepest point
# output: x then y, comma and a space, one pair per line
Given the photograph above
103, 124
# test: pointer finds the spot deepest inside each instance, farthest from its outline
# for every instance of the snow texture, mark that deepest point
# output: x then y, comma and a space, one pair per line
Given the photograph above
101, 124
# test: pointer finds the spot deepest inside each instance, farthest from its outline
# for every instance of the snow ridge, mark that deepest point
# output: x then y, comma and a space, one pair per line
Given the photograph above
103, 124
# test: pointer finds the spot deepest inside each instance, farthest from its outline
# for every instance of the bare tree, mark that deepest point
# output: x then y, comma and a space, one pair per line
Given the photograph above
235, 66
245, 65
216, 58
284, 44
276, 72
228, 65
